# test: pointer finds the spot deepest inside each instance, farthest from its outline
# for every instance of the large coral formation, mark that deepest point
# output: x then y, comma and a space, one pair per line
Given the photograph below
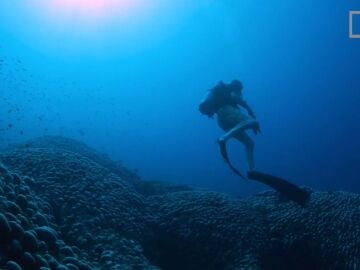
28, 237
79, 206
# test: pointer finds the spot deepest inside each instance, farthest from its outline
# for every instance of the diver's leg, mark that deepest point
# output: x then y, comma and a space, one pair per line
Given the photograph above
249, 148
238, 129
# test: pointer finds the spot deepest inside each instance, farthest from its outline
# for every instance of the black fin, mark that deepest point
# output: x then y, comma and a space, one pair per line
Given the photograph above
287, 189
224, 154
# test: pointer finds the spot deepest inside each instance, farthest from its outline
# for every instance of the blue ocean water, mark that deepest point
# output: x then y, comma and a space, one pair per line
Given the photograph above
129, 82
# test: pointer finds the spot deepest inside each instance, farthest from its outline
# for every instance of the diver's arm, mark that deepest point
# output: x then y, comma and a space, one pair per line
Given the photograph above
246, 106
256, 128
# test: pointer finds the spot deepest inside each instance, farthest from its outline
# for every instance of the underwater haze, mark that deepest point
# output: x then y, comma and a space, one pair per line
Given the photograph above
126, 77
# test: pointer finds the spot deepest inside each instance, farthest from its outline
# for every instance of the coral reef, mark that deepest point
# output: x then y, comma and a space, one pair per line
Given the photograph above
65, 206
28, 235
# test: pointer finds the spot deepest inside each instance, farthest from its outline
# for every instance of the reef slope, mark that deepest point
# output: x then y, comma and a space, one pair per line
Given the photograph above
100, 215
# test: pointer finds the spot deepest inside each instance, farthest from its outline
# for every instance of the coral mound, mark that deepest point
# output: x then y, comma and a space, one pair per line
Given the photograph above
65, 206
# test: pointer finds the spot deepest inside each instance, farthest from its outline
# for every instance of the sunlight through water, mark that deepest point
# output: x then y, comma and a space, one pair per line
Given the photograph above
93, 27
103, 25
92, 8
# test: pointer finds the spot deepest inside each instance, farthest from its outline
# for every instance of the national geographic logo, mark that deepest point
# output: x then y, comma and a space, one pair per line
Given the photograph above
354, 24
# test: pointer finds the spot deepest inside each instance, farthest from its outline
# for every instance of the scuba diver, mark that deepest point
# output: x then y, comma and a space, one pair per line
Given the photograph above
227, 103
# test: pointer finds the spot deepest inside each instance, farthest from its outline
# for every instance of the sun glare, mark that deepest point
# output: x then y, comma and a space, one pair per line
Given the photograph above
91, 9
87, 27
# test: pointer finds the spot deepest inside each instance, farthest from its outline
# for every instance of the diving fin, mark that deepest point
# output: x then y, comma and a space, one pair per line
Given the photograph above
224, 154
287, 189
